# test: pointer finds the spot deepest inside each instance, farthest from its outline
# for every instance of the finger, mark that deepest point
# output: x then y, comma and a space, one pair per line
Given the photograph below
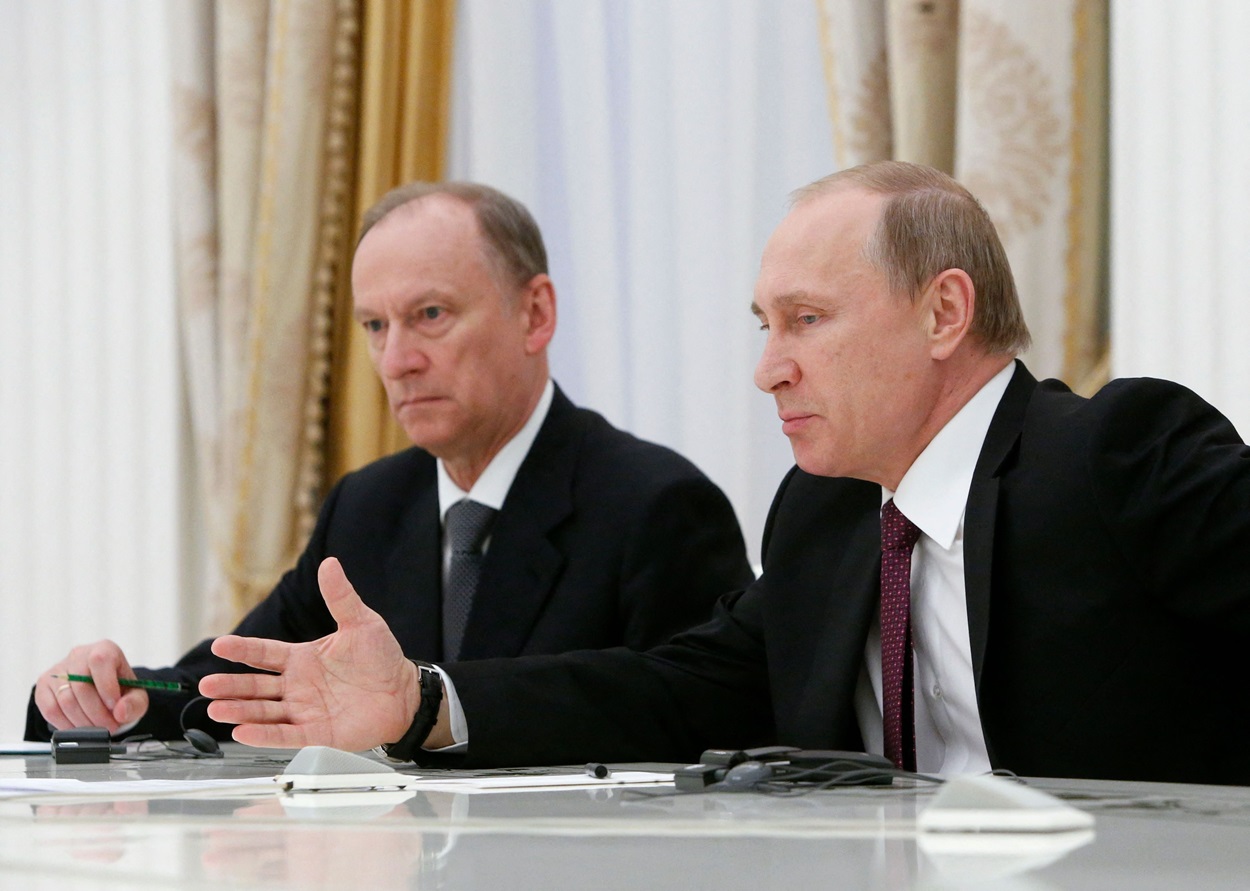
341, 598
46, 702
82, 706
248, 711
132, 706
105, 664
241, 686
257, 652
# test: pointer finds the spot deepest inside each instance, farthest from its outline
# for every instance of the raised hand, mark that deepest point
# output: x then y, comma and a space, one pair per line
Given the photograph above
352, 689
105, 703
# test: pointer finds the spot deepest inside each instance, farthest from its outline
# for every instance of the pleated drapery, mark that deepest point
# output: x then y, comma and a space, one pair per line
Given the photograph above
265, 116
1010, 97
405, 87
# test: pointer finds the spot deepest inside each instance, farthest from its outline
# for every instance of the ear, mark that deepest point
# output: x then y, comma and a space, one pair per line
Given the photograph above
538, 312
949, 303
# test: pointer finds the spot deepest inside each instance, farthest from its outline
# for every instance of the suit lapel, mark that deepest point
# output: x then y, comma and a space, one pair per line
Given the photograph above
821, 577
522, 564
414, 576
982, 511
851, 592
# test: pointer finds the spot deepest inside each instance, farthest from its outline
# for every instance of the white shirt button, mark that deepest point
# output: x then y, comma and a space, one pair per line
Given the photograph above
937, 691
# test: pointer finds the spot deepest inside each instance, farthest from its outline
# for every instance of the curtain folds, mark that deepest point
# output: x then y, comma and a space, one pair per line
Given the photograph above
265, 104
406, 51
1010, 97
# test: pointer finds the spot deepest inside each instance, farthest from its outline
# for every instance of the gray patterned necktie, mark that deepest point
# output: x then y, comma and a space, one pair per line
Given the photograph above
467, 525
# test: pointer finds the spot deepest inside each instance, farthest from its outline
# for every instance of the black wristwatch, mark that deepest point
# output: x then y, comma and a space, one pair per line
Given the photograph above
423, 721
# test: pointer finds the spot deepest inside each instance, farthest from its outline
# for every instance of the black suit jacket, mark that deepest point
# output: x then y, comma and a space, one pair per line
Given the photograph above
603, 540
1107, 569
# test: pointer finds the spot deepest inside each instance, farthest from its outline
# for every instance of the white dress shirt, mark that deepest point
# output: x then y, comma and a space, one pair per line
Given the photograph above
933, 494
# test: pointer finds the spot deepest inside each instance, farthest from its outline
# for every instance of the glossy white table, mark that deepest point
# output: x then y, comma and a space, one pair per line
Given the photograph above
1145, 836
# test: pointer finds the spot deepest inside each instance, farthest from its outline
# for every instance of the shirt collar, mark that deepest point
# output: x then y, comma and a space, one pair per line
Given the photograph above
492, 486
933, 493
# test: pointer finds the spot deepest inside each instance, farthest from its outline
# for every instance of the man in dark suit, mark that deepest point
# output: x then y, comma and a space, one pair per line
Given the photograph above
967, 569
590, 537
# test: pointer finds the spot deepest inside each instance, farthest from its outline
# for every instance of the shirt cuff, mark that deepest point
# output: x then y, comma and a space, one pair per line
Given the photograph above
459, 726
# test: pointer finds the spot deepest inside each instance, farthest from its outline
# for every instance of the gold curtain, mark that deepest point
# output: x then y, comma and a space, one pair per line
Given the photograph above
1010, 97
264, 100
264, 104
406, 50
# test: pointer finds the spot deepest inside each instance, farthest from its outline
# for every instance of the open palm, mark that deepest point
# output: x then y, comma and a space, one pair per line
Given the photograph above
352, 689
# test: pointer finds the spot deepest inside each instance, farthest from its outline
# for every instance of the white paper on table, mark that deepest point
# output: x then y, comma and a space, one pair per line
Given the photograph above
75, 788
536, 782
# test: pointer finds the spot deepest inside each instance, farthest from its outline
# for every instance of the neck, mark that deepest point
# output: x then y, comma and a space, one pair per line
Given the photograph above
959, 384
467, 469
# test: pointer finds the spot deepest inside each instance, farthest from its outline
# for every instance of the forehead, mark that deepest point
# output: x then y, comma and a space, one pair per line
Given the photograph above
432, 243
821, 240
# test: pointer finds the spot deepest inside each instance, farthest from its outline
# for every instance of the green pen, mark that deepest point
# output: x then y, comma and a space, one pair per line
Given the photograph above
174, 686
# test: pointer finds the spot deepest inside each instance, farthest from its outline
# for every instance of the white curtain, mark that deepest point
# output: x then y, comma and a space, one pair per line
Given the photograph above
1181, 197
656, 143
92, 528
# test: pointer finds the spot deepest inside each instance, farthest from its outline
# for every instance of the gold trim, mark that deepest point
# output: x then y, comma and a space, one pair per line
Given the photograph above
1084, 363
238, 573
334, 238
832, 107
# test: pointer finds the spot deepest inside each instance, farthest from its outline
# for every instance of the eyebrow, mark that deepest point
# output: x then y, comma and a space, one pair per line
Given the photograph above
790, 298
407, 306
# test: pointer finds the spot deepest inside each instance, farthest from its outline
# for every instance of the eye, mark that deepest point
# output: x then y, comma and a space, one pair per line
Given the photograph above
808, 319
430, 313
373, 326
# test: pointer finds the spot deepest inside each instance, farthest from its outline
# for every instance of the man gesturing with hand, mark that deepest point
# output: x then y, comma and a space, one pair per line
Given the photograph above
352, 689
968, 569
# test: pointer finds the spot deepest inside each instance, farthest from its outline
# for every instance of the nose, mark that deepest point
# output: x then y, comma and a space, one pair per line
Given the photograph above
775, 371
401, 354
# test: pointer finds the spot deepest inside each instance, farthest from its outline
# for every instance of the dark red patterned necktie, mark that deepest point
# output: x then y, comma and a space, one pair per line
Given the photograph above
898, 692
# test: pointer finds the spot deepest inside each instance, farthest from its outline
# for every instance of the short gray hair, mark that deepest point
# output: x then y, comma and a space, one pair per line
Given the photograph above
930, 223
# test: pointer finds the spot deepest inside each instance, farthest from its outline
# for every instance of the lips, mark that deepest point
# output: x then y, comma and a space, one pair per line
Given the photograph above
793, 421
416, 402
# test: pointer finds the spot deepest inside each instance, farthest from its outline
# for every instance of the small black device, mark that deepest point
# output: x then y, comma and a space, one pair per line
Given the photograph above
82, 745
697, 777
835, 761
744, 777
835, 767
734, 757
202, 743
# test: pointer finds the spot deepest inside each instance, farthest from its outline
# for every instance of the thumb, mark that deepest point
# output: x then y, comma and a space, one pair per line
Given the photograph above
341, 598
132, 706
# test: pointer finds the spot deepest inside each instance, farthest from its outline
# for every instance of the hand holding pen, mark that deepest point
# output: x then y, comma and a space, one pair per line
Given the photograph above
108, 699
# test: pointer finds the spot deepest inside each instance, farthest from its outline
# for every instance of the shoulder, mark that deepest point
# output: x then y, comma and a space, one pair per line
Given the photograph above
610, 457
808, 505
392, 480
1128, 415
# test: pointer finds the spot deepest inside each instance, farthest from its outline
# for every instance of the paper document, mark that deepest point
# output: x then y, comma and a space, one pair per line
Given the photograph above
531, 783
74, 788
25, 748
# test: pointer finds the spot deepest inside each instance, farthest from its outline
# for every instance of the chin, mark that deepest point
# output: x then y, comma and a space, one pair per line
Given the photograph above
819, 461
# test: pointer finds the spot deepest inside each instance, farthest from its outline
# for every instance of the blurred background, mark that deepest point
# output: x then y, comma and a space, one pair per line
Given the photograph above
181, 181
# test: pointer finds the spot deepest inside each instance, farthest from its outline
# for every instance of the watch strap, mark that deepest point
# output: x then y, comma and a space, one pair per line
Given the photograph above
409, 745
